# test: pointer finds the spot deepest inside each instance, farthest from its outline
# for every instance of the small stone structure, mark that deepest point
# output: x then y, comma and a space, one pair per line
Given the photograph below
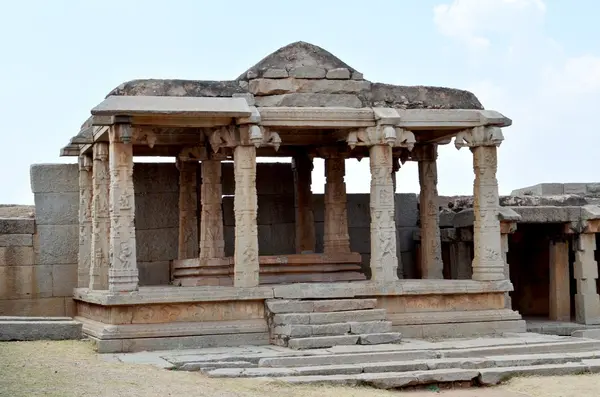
300, 102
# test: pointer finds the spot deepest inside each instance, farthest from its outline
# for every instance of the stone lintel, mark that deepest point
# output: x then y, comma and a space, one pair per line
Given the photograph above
316, 117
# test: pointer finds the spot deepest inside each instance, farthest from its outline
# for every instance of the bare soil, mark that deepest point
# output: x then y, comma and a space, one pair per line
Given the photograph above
71, 368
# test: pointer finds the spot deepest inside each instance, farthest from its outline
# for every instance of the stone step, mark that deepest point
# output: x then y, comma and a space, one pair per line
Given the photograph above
525, 361
280, 306
374, 357
356, 328
322, 341
36, 328
329, 317
493, 376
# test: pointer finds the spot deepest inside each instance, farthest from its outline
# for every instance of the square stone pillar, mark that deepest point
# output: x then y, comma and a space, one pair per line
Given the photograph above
432, 266
188, 210
246, 269
86, 188
587, 300
123, 271
212, 242
560, 294
100, 255
336, 238
302, 165
384, 259
506, 228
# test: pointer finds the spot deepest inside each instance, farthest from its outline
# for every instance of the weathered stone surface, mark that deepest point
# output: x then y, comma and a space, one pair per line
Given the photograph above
330, 86
310, 100
338, 74
352, 315
493, 376
291, 318
308, 72
16, 256
54, 178
24, 330
421, 97
275, 73
270, 86
58, 244
175, 87
357, 75
17, 226
64, 279
156, 210
247, 96
16, 240
322, 341
380, 338
155, 178
203, 366
156, 245
56, 208
294, 330
330, 329
340, 305
54, 306
25, 282
289, 306
154, 273
370, 327
355, 358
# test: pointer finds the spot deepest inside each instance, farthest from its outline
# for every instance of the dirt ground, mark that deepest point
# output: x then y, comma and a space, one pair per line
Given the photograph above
65, 369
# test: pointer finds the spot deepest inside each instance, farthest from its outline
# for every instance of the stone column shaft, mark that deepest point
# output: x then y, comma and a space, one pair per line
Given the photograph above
336, 238
432, 266
384, 259
587, 300
100, 255
188, 210
123, 271
246, 270
86, 188
212, 242
302, 165
488, 264
560, 294
504, 244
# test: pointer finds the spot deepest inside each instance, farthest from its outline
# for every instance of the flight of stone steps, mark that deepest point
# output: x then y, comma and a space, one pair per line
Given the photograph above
480, 361
311, 324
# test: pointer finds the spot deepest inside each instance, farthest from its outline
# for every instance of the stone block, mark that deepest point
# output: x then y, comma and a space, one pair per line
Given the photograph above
156, 210
291, 318
54, 178
58, 244
17, 226
322, 341
275, 74
20, 282
154, 273
360, 239
340, 305
16, 240
330, 329
310, 100
331, 86
155, 178
247, 96
270, 86
48, 329
357, 75
64, 279
346, 316
493, 376
370, 327
33, 307
338, 74
380, 338
57, 208
407, 212
289, 306
575, 188
16, 256
308, 72
157, 245
294, 330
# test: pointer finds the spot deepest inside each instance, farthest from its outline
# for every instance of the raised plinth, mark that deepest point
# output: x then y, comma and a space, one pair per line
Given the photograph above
282, 269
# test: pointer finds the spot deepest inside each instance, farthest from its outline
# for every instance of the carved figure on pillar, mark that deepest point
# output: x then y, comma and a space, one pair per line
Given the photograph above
302, 165
123, 272
85, 221
336, 238
432, 266
212, 243
488, 263
188, 207
99, 255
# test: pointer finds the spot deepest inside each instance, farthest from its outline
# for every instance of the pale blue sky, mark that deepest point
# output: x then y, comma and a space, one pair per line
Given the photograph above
537, 62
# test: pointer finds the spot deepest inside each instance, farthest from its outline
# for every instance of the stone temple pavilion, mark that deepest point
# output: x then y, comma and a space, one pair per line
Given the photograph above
300, 102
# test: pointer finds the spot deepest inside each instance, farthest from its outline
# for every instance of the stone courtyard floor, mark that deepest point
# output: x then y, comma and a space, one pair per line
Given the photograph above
72, 368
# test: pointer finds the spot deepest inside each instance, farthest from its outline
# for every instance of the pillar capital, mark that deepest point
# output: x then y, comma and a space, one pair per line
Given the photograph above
243, 135
424, 153
381, 134
85, 163
479, 136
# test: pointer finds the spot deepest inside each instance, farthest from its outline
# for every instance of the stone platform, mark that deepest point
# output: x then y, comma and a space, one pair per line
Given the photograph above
158, 318
281, 269
479, 361
39, 328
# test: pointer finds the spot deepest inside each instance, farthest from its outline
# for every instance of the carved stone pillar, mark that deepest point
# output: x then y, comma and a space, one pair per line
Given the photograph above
212, 242
506, 228
302, 165
86, 188
245, 208
560, 294
123, 271
384, 259
432, 266
395, 169
336, 238
587, 300
488, 264
188, 210
100, 255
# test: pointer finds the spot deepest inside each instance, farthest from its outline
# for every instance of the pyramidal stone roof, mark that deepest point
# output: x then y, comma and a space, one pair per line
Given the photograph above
305, 75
